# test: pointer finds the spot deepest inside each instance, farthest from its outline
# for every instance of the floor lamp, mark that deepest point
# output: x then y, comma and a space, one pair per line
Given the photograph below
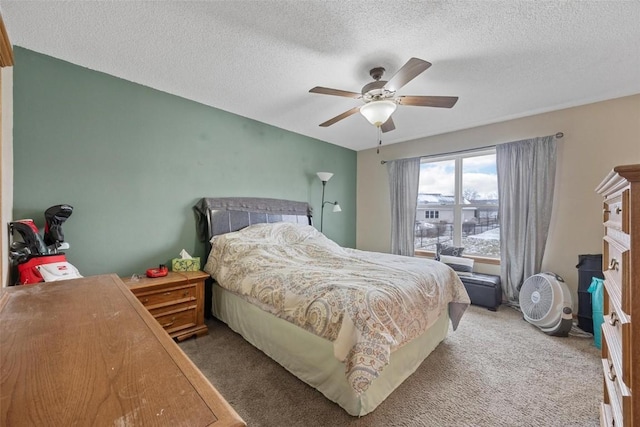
324, 177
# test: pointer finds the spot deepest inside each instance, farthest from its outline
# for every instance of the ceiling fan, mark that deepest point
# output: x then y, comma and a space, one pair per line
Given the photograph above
380, 99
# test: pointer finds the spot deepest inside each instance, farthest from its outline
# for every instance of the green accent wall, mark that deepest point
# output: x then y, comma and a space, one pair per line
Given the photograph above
132, 161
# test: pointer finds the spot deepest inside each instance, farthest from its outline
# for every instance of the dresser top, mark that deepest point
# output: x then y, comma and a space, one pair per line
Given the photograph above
630, 172
86, 352
617, 178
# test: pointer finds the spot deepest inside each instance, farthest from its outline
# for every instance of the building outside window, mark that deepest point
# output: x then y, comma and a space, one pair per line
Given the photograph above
458, 199
432, 214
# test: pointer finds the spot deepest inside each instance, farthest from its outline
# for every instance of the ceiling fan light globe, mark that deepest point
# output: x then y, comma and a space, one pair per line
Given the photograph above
378, 112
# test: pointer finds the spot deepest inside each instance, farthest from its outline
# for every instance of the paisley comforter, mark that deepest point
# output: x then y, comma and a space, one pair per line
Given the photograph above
366, 303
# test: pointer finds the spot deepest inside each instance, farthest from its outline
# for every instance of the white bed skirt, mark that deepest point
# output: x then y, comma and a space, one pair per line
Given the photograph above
311, 359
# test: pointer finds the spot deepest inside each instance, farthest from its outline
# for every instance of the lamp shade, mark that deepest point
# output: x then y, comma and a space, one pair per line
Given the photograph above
378, 112
324, 176
336, 207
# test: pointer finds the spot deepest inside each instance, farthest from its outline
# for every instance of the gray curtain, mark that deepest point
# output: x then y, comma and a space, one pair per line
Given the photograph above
526, 176
404, 176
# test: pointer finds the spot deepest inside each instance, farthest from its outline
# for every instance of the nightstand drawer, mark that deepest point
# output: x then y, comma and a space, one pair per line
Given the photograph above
176, 301
158, 311
166, 296
178, 319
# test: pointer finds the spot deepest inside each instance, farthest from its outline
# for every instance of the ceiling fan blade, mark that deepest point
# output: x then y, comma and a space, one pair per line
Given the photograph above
408, 72
388, 125
428, 101
336, 92
340, 117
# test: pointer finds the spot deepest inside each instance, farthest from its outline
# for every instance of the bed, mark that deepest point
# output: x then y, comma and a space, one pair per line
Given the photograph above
352, 324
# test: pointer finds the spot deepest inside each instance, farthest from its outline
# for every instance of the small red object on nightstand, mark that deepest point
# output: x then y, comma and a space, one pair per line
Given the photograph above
161, 271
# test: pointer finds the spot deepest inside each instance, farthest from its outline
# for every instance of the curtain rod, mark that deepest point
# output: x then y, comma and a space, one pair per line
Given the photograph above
558, 135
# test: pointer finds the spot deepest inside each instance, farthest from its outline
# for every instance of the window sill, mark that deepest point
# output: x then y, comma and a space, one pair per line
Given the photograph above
478, 259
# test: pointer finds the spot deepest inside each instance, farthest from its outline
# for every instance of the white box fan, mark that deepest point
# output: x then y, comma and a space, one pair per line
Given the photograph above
545, 302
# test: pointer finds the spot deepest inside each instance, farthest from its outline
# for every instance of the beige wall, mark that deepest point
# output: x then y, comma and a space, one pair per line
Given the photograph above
597, 137
6, 157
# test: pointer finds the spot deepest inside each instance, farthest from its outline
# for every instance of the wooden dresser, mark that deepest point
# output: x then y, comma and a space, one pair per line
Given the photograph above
85, 352
621, 266
176, 301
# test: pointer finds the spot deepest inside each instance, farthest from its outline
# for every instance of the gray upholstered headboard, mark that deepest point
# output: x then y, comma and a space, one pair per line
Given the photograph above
225, 214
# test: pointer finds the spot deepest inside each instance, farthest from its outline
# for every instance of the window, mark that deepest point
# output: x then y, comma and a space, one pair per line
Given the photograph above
432, 214
458, 199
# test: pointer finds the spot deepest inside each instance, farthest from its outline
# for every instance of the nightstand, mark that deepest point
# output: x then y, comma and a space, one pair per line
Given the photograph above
176, 301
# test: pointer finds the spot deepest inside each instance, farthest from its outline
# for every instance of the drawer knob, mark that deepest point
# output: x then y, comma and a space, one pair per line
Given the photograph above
166, 325
185, 294
167, 293
613, 265
617, 210
614, 318
145, 299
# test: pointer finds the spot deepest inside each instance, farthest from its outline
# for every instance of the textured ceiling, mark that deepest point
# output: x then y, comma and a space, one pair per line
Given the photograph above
258, 59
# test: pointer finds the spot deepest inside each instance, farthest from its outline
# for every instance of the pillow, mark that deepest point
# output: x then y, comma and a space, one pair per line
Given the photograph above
462, 266
442, 249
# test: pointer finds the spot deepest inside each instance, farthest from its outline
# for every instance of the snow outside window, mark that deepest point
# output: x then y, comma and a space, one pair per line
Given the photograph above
458, 204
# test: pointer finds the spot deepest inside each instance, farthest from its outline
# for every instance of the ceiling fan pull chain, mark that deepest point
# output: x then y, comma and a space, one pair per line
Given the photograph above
379, 140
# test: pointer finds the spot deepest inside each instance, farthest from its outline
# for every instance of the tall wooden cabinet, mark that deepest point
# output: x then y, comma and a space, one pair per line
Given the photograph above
621, 265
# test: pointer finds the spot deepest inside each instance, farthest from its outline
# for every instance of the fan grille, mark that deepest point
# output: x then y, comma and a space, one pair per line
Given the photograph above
536, 297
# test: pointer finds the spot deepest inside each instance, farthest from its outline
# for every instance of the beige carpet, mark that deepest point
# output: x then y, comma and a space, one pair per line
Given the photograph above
495, 370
